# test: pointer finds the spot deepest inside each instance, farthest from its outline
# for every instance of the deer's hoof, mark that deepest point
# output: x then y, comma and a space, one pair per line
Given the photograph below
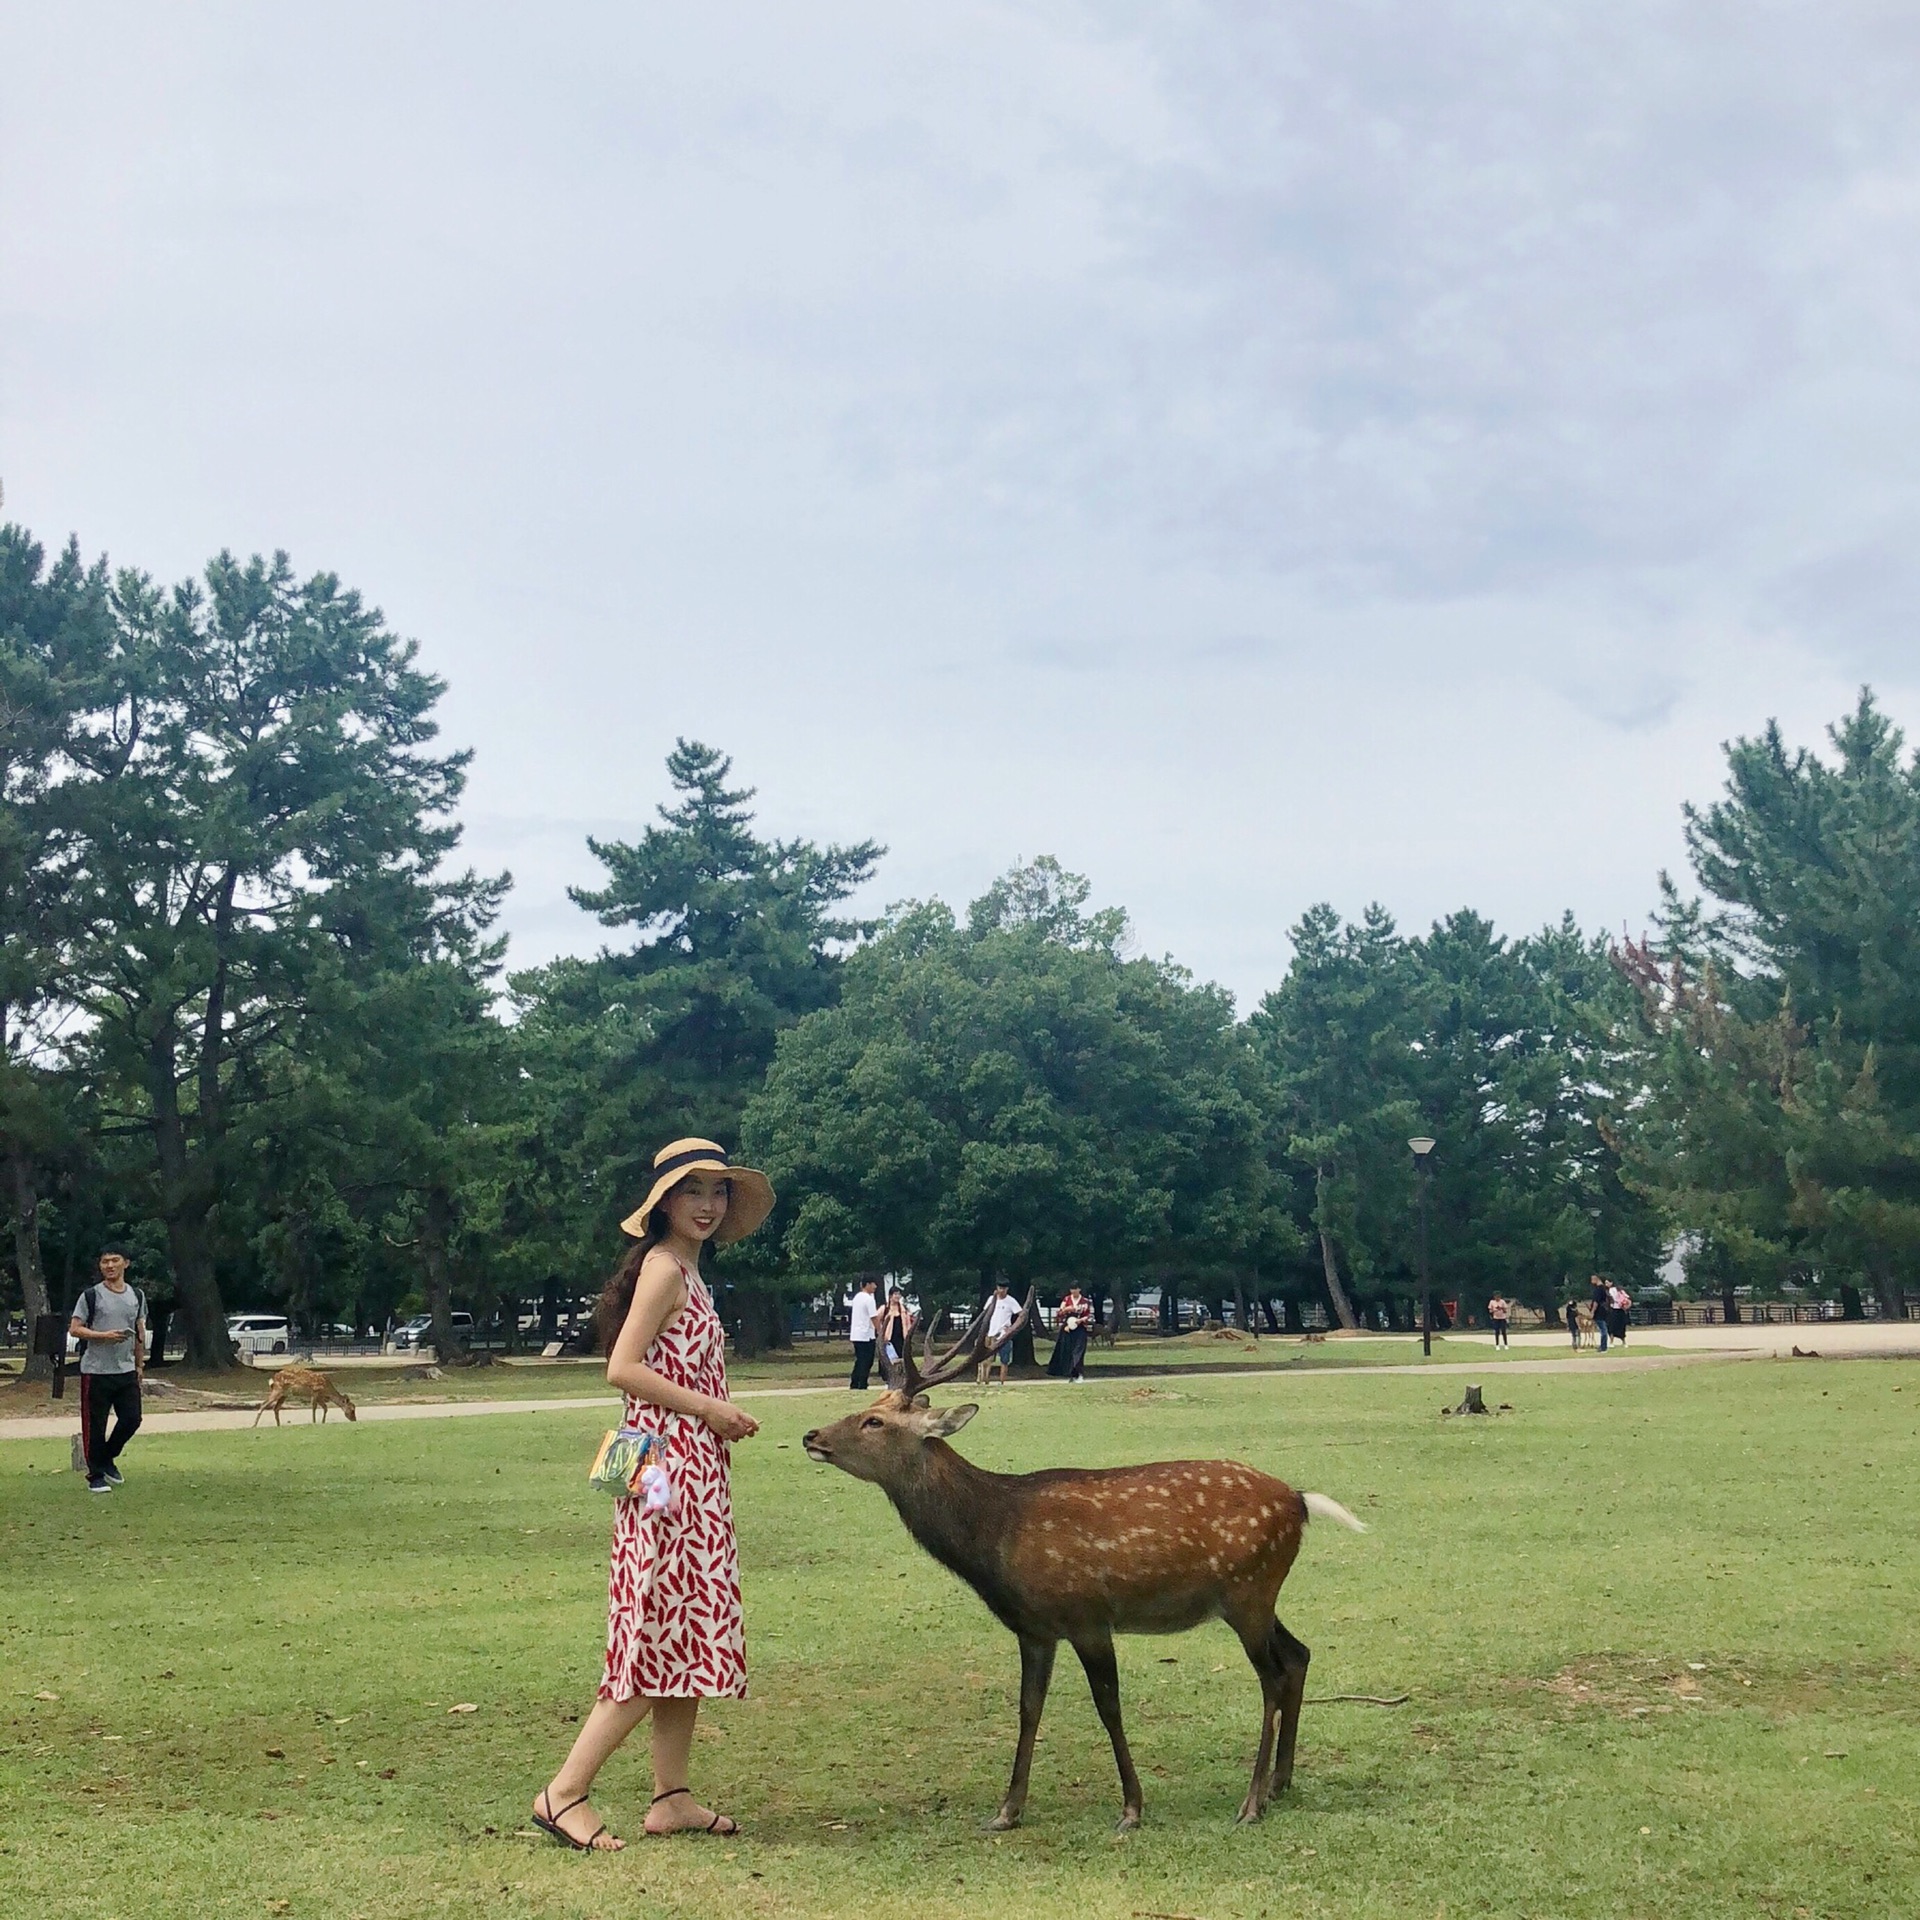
1251, 1808
1002, 1822
1129, 1820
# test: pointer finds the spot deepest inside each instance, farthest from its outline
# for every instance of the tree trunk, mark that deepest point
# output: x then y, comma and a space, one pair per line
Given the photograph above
1240, 1316
185, 1206
1023, 1353
1729, 1305
1342, 1306
159, 1325
26, 1253
190, 1252
1892, 1296
1169, 1304
1850, 1307
1296, 1320
758, 1320
435, 1231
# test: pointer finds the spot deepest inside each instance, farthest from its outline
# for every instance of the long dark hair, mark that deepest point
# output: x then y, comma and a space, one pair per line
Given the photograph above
616, 1297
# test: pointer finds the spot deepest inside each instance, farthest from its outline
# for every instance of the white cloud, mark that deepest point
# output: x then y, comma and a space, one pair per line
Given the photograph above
1253, 452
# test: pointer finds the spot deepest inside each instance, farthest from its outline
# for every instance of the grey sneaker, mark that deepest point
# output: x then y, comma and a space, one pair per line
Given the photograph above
99, 1486
113, 1477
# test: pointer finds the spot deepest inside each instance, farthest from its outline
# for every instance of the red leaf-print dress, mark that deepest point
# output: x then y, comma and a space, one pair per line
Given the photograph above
673, 1597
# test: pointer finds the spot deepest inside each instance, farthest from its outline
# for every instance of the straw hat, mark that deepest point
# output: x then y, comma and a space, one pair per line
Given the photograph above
752, 1196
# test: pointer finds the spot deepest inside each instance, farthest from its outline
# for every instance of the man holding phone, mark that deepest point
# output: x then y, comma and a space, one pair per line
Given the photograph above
110, 1322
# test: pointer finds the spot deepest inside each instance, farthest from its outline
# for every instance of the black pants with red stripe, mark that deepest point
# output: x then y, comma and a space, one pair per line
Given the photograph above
102, 1394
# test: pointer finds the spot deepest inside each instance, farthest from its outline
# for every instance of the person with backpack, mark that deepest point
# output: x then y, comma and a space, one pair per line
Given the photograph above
1619, 1306
110, 1322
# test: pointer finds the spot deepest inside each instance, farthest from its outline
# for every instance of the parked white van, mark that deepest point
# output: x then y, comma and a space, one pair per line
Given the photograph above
256, 1333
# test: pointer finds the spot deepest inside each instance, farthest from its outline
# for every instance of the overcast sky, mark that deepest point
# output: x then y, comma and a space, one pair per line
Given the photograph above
1257, 453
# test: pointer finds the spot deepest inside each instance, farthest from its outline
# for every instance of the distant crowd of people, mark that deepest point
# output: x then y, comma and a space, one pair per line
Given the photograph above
1602, 1317
877, 1328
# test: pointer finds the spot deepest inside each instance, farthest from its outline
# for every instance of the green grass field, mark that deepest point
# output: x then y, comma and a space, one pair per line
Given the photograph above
1657, 1627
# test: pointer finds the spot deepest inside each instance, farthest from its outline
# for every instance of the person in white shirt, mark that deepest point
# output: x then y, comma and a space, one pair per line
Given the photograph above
1002, 1311
861, 1333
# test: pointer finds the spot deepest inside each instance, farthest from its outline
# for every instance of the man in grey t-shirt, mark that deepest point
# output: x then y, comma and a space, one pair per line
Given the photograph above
110, 1322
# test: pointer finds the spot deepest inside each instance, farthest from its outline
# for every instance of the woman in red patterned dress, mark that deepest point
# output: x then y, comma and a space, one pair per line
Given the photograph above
674, 1633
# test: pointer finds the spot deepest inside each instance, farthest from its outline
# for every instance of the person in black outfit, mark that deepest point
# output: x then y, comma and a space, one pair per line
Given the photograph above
110, 1322
1600, 1304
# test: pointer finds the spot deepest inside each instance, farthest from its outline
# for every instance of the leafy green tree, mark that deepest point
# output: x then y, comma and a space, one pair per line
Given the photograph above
735, 939
1507, 1075
56, 642
1335, 1040
1781, 1027
262, 795
1010, 1096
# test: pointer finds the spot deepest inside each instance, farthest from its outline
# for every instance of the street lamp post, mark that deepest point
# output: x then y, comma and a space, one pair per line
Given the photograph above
1422, 1168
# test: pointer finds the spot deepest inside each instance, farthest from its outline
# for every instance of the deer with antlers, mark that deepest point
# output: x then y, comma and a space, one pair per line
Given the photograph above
1081, 1554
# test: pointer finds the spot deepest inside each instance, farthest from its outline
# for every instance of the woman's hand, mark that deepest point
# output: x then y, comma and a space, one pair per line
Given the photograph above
728, 1421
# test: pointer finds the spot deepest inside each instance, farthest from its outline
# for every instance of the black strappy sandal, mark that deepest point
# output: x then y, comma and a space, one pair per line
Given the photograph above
713, 1826
549, 1822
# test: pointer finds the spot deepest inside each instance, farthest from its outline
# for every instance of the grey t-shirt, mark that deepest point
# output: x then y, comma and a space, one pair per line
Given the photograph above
111, 1311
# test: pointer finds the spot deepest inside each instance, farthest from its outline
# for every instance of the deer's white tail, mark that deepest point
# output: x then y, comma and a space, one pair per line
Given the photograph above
1321, 1508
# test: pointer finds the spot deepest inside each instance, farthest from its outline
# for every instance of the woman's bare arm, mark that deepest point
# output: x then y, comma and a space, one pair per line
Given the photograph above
658, 1296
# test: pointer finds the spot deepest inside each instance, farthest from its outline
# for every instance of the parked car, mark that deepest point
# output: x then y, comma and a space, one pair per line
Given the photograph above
256, 1333
418, 1332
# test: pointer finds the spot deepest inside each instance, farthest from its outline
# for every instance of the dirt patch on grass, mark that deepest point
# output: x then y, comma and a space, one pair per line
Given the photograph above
1640, 1687
33, 1399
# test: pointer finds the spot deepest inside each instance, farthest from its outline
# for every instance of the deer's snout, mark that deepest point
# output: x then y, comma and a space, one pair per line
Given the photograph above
815, 1451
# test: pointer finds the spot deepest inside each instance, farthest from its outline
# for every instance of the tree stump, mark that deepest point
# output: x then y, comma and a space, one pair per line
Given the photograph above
1475, 1402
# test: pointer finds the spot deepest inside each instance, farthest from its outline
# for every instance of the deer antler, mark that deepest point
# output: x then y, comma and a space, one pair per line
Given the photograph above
967, 1351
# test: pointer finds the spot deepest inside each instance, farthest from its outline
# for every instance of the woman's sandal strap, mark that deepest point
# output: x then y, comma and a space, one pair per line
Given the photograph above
550, 1822
668, 1795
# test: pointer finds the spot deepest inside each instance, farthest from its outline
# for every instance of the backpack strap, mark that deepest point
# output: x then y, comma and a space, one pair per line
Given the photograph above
88, 1302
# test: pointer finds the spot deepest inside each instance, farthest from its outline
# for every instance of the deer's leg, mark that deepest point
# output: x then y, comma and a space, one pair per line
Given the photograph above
1103, 1677
1281, 1662
1293, 1657
1036, 1670
1259, 1649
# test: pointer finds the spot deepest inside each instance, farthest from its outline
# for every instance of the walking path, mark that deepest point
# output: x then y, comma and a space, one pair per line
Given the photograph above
1854, 1341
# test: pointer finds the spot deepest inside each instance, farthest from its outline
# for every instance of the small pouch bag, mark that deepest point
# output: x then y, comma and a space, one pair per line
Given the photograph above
625, 1454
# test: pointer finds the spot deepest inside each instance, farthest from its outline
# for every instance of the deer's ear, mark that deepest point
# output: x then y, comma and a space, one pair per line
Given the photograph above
950, 1420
